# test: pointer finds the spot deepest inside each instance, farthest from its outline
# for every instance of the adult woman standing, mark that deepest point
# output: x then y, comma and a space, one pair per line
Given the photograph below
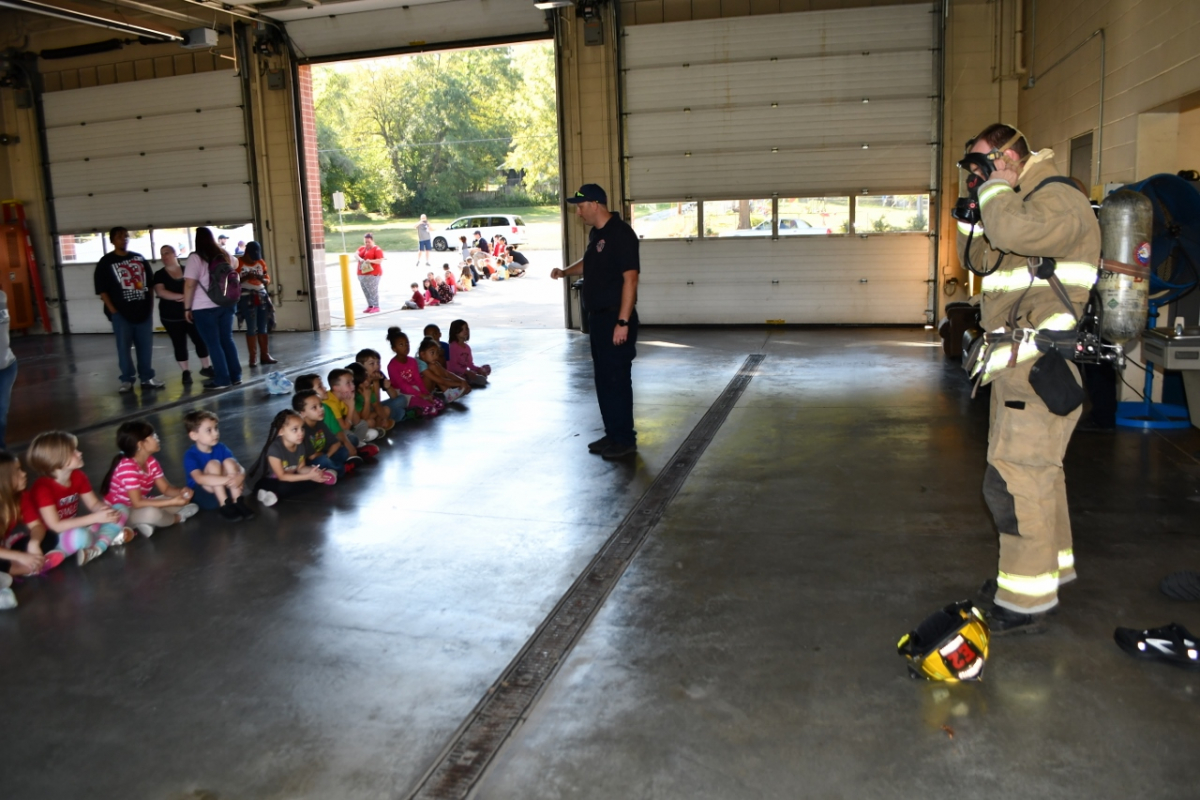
255, 306
214, 322
168, 285
370, 269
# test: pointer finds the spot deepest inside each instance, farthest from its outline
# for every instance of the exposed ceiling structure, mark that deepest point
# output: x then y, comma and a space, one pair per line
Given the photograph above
317, 28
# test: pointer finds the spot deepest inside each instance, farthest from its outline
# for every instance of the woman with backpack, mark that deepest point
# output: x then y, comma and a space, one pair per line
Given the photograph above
211, 291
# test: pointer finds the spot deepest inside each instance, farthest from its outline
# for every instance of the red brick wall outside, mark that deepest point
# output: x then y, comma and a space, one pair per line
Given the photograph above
308, 150
67, 245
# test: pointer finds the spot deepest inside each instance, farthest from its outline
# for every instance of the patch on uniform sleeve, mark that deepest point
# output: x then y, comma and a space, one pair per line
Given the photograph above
600, 246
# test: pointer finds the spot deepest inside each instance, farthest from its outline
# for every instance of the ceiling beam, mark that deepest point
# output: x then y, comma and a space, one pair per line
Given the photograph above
178, 16
86, 15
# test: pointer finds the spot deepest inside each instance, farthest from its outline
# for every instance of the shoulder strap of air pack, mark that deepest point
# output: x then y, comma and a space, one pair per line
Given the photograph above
1051, 179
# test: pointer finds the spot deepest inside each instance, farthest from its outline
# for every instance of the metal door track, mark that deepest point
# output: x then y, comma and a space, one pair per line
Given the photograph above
507, 702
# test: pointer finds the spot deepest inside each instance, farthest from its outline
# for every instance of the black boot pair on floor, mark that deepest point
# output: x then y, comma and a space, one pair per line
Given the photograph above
1003, 621
236, 511
608, 449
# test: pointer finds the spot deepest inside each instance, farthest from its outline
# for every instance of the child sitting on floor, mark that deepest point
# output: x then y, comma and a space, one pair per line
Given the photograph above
435, 333
26, 547
322, 448
405, 376
281, 470
366, 400
395, 402
347, 438
135, 474
418, 299
213, 473
466, 281
63, 488
462, 361
430, 292
340, 400
437, 379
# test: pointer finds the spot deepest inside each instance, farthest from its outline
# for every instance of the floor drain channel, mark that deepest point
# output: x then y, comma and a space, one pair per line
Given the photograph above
481, 735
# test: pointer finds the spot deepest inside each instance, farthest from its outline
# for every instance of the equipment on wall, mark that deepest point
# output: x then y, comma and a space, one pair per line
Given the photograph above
19, 269
1174, 263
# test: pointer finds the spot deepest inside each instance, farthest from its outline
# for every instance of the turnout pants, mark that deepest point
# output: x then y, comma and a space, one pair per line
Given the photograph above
1026, 490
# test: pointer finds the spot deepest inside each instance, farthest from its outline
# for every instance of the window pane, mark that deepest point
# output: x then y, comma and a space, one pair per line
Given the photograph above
887, 213
737, 218
813, 216
86, 248
236, 234
664, 220
176, 237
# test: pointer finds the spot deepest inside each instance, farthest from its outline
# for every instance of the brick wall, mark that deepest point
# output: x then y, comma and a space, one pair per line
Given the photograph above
312, 194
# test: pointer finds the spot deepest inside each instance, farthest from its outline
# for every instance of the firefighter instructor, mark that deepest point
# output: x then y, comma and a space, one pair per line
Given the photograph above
1041, 237
610, 268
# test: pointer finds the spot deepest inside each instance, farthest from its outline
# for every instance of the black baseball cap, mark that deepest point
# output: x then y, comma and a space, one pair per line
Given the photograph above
589, 193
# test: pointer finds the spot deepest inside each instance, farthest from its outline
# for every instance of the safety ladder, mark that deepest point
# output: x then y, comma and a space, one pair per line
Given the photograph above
14, 214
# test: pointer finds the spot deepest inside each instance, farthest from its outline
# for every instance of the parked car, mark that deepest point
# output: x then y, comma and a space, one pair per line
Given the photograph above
788, 226
509, 226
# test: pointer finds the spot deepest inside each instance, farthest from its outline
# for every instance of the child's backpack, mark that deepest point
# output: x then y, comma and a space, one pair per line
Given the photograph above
223, 288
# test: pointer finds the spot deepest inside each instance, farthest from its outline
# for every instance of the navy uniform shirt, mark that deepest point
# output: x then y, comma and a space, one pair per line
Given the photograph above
611, 252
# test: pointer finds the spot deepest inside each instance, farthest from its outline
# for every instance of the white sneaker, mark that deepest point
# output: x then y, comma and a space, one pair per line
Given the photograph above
372, 434
144, 528
126, 536
267, 497
126, 388
87, 554
153, 383
5, 580
7, 599
187, 512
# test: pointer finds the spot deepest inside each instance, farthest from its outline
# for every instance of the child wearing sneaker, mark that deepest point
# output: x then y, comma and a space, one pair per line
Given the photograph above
213, 474
435, 333
134, 476
340, 400
281, 470
366, 400
60, 491
461, 361
405, 376
26, 548
347, 438
435, 376
321, 447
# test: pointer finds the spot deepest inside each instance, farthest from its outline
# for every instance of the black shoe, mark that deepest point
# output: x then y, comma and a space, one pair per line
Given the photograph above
599, 445
207, 372
614, 451
187, 377
1087, 426
237, 381
985, 598
229, 512
1002, 621
215, 385
243, 509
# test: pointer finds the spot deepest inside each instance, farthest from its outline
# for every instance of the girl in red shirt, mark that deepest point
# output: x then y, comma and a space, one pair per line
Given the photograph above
60, 491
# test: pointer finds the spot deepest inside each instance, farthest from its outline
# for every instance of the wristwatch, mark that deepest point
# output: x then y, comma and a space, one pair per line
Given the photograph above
623, 323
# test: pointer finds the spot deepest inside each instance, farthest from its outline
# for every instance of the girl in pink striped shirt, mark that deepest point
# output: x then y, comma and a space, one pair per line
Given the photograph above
462, 362
134, 476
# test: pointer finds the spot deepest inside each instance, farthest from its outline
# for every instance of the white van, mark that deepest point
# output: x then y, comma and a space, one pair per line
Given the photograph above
512, 228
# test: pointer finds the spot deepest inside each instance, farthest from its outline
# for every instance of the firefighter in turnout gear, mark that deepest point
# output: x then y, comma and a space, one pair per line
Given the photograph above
1027, 215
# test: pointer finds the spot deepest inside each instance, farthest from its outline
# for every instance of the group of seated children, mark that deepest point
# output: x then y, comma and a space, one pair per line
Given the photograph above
322, 437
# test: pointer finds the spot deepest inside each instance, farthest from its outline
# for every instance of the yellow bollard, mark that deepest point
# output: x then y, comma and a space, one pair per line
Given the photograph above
347, 300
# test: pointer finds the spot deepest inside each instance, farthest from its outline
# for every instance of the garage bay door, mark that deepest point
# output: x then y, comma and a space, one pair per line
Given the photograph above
167, 153
779, 167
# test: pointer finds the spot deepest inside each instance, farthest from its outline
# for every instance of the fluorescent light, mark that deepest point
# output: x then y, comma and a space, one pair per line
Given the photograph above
86, 16
546, 5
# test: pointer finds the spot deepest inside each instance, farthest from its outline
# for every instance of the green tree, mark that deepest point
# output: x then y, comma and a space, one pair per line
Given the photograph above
535, 109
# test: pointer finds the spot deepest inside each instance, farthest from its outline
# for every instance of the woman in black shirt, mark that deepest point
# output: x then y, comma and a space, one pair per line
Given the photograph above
168, 285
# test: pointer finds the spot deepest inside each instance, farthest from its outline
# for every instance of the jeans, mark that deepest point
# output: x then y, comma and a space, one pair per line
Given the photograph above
613, 365
140, 336
216, 329
257, 317
335, 463
8, 376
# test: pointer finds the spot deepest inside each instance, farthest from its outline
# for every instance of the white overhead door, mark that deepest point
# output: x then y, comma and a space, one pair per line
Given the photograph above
163, 153
357, 27
796, 116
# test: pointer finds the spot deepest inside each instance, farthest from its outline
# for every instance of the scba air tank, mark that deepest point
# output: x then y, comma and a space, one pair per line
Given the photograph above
1126, 223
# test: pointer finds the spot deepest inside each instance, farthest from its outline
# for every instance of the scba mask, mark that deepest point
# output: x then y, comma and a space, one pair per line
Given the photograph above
969, 180
949, 645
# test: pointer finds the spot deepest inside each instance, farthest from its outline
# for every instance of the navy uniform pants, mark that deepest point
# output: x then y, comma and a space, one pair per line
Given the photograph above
613, 366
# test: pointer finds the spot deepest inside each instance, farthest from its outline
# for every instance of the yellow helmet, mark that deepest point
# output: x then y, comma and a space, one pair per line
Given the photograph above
950, 645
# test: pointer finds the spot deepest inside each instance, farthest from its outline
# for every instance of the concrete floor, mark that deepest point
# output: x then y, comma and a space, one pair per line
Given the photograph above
330, 648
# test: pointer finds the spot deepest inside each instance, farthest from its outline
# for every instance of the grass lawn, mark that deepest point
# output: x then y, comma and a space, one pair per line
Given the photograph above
543, 226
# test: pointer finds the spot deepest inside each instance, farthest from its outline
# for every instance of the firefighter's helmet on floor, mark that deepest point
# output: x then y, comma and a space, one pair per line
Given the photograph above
950, 645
